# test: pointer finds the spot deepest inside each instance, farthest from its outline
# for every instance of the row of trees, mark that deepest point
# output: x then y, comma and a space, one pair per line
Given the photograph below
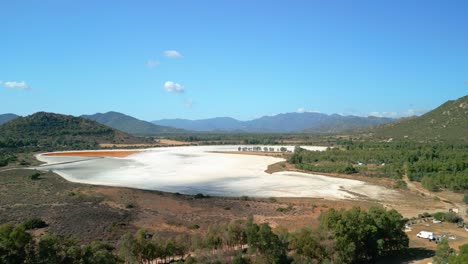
435, 165
345, 236
18, 246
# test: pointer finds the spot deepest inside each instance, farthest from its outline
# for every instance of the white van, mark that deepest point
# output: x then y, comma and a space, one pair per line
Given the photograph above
425, 234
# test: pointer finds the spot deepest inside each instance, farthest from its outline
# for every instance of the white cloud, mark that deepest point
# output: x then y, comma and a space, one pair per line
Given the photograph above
304, 110
172, 54
152, 63
15, 85
301, 110
173, 87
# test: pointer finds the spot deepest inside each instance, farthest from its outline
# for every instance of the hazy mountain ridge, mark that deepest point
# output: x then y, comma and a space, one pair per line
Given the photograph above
130, 124
281, 123
448, 122
7, 117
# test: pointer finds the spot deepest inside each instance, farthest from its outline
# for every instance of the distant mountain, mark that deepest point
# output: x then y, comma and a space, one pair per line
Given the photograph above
211, 124
49, 131
448, 122
282, 123
131, 125
7, 117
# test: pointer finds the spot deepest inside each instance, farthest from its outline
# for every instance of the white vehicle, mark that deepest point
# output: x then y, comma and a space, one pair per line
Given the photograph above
425, 234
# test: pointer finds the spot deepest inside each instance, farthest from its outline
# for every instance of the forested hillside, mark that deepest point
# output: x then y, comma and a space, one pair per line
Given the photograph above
48, 131
131, 125
446, 123
436, 165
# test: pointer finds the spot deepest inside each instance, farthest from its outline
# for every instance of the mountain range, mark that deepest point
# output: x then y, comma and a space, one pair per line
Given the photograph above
281, 123
448, 122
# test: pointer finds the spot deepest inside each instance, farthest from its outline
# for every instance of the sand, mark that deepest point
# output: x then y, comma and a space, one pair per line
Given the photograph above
196, 169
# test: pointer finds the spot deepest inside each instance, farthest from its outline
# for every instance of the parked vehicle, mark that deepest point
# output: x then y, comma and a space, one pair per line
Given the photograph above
426, 234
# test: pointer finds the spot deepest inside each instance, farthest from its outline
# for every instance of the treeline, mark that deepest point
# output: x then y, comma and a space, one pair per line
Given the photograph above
252, 138
344, 236
435, 165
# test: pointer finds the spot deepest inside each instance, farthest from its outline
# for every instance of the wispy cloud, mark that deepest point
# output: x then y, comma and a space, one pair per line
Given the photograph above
188, 103
15, 85
304, 110
409, 112
172, 54
173, 87
152, 63
384, 114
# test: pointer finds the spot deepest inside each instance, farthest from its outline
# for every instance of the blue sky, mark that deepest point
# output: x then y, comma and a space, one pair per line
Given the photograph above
244, 59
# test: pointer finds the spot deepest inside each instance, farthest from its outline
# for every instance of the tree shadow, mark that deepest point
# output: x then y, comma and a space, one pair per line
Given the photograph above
411, 254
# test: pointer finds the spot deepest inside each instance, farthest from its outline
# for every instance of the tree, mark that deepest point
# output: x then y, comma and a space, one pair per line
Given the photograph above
363, 236
13, 241
443, 252
462, 257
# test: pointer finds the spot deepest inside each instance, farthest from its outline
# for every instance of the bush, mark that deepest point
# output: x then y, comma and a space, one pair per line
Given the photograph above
350, 170
35, 176
452, 217
34, 223
400, 184
200, 196
285, 209
194, 226
439, 216
465, 198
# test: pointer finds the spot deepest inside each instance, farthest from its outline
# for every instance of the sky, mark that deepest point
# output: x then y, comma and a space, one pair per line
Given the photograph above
243, 59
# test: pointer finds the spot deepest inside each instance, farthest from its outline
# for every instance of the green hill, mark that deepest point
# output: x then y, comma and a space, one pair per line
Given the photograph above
131, 125
446, 123
7, 117
48, 131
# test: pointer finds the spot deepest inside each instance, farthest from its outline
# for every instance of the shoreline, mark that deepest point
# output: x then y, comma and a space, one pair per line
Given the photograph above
94, 153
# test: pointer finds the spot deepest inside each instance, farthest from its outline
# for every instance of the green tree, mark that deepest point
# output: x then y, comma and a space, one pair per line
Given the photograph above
13, 241
363, 236
443, 252
462, 256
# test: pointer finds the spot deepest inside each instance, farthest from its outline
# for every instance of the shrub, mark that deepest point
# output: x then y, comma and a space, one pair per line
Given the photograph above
194, 226
452, 217
35, 176
200, 196
465, 198
285, 209
350, 169
400, 184
34, 223
439, 216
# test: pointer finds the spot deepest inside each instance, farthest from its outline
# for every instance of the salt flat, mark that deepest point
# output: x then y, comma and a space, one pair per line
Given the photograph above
196, 169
